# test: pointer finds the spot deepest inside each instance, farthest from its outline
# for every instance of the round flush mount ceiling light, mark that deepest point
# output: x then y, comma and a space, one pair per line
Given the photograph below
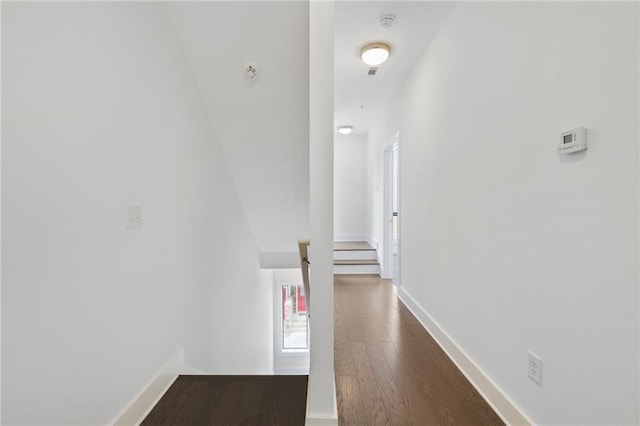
345, 130
375, 53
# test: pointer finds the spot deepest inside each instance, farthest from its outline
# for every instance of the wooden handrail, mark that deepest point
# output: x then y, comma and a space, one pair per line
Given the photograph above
303, 248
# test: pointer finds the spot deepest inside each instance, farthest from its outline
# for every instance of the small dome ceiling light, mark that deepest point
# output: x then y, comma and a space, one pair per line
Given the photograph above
375, 53
345, 130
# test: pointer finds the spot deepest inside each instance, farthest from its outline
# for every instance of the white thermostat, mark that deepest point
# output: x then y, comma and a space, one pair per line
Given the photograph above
573, 141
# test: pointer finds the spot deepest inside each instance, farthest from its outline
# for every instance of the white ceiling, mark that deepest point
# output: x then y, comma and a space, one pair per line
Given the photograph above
263, 128
356, 24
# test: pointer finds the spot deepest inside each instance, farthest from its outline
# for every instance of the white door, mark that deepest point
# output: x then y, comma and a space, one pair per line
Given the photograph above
395, 218
392, 212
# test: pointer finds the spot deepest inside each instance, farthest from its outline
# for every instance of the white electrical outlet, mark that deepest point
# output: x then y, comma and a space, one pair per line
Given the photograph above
535, 368
134, 216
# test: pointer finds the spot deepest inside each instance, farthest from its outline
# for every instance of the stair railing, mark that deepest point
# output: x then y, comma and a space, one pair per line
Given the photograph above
303, 248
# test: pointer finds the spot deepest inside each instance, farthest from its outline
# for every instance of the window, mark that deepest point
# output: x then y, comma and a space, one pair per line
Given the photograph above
291, 331
295, 325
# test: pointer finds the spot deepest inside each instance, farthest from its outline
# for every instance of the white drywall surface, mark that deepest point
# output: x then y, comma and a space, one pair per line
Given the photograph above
100, 112
507, 245
321, 397
262, 126
350, 185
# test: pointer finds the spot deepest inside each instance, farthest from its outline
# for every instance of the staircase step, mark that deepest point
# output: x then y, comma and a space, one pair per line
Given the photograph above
355, 255
355, 262
352, 245
356, 269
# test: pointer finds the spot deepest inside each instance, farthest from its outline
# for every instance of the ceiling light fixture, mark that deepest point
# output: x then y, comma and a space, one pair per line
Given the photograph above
345, 130
375, 53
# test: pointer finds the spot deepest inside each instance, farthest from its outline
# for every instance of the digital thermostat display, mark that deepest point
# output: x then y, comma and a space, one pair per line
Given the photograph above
573, 141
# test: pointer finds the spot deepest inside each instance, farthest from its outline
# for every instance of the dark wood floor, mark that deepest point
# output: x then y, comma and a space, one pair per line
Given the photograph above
232, 400
388, 368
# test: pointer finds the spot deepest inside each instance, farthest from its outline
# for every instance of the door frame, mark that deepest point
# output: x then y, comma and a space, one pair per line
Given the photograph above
387, 216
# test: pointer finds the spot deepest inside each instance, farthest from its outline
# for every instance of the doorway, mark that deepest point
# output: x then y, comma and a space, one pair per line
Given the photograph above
392, 211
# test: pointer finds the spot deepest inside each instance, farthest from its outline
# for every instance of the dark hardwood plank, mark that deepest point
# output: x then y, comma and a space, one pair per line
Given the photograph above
277, 410
225, 400
398, 404
398, 365
370, 393
354, 330
350, 408
373, 330
428, 403
343, 359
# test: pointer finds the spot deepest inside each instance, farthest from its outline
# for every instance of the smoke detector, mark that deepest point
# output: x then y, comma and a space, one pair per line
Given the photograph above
251, 72
386, 21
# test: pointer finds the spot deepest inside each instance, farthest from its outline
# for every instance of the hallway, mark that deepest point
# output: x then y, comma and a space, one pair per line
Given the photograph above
388, 368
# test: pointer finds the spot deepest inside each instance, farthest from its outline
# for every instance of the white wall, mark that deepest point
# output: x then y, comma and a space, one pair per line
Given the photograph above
350, 187
508, 246
100, 111
321, 396
262, 127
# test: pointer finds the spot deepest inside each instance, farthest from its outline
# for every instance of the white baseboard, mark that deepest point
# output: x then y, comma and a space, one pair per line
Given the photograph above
495, 397
188, 371
292, 371
318, 421
144, 401
351, 237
